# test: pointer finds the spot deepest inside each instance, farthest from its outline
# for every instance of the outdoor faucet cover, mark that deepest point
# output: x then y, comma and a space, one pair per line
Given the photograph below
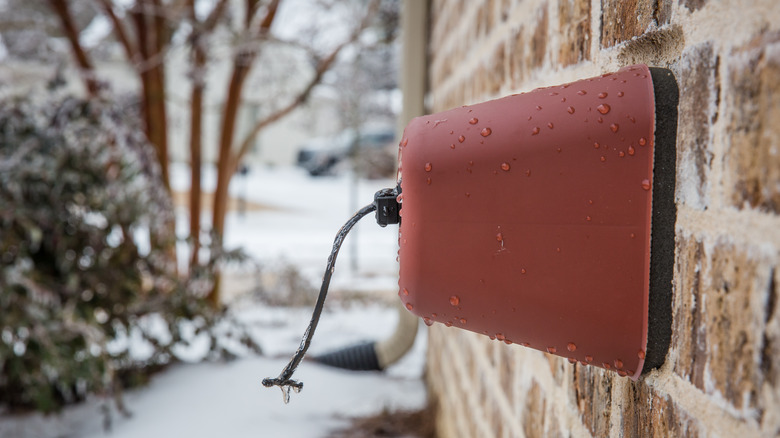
546, 218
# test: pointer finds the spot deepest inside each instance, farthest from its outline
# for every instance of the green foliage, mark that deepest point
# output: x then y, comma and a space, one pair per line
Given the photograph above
86, 261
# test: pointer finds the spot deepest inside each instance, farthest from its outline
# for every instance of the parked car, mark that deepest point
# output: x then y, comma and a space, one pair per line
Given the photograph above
373, 152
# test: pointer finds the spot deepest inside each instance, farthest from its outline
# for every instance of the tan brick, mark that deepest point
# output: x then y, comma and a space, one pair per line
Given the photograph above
534, 412
645, 413
538, 47
686, 338
574, 22
517, 66
496, 73
753, 159
699, 94
622, 20
719, 329
770, 361
594, 398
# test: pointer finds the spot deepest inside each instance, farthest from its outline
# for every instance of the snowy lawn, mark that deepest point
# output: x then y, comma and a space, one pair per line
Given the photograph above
227, 399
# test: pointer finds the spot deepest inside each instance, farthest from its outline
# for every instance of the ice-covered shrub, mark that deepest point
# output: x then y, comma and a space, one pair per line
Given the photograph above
85, 255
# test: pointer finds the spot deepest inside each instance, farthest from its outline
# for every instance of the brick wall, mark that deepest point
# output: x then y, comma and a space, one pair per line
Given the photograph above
722, 374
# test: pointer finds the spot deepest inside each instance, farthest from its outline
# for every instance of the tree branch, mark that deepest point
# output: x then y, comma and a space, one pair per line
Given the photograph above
322, 67
211, 21
121, 32
86, 67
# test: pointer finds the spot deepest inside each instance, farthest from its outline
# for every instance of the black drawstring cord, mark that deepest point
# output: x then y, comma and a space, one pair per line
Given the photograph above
284, 380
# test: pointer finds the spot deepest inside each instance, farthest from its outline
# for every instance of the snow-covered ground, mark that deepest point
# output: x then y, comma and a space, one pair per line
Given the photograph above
227, 399
305, 214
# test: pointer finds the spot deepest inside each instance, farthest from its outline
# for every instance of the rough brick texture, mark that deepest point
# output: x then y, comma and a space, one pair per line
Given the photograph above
722, 373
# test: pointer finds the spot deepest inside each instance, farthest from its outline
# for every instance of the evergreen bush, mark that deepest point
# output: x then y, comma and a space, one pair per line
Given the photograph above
87, 268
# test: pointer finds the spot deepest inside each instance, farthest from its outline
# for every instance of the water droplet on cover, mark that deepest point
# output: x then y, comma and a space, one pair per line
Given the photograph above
602, 95
640, 354
603, 158
538, 108
621, 373
614, 127
603, 108
463, 320
404, 142
571, 346
409, 306
618, 363
606, 365
646, 184
632, 235
588, 218
448, 324
570, 110
406, 292
473, 121
582, 92
505, 166
428, 167
500, 237
523, 271
631, 150
621, 154
535, 130
454, 300
552, 350
550, 125
620, 94
572, 360
642, 141
485, 132
500, 336
452, 146
588, 358
461, 139
596, 145
428, 321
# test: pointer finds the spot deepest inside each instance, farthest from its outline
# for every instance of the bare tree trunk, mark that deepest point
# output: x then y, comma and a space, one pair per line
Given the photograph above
196, 142
226, 166
225, 160
152, 83
198, 43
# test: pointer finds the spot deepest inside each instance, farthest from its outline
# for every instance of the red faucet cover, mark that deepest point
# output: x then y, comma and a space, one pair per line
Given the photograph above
528, 218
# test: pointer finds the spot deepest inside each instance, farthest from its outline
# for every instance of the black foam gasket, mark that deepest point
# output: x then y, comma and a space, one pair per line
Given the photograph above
664, 216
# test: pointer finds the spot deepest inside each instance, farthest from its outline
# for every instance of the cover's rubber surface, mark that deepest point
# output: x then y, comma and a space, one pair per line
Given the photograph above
528, 219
